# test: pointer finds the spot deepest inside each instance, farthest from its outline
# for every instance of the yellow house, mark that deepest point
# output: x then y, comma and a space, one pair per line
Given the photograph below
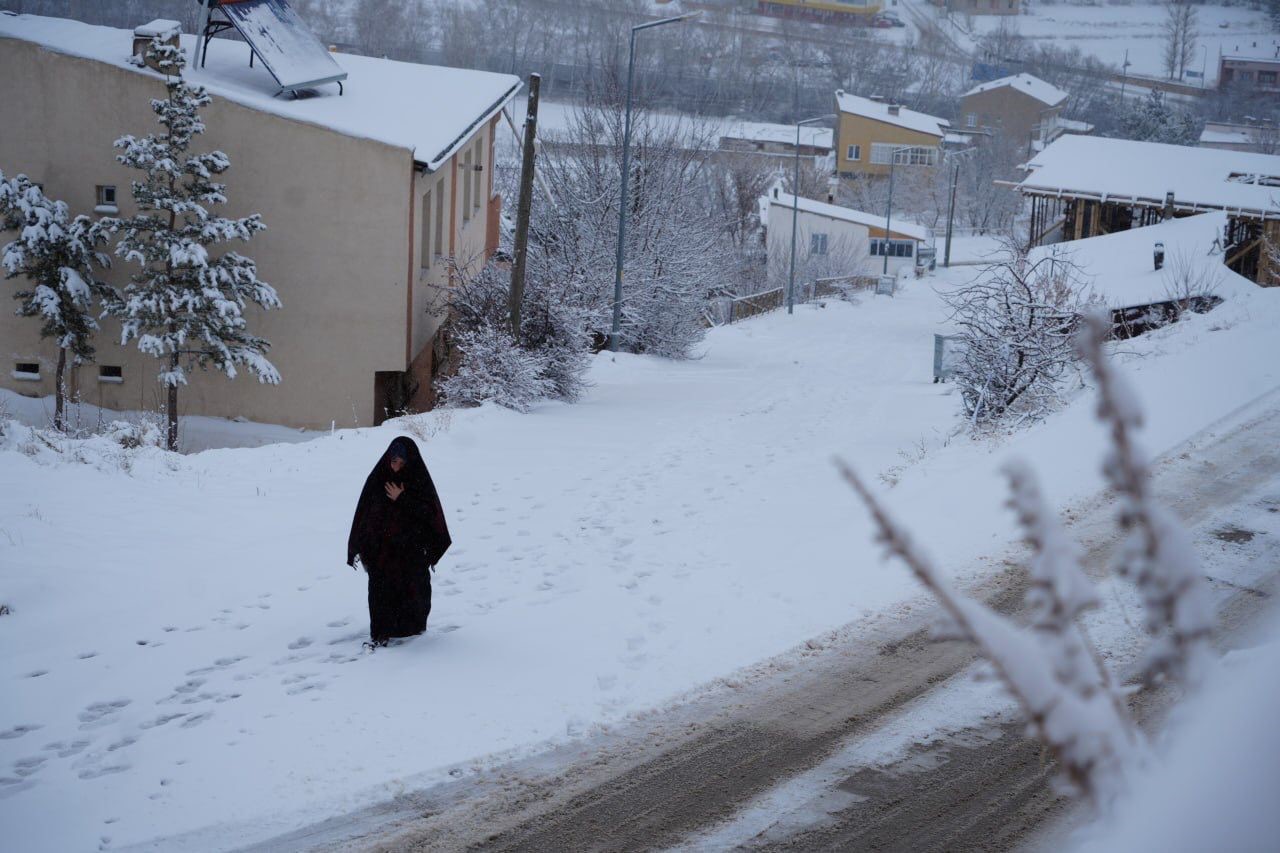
872, 133
366, 196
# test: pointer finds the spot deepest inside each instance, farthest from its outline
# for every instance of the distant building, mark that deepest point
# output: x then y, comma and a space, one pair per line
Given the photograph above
851, 12
1253, 66
1086, 186
871, 134
777, 139
1022, 108
365, 196
1262, 139
837, 240
980, 7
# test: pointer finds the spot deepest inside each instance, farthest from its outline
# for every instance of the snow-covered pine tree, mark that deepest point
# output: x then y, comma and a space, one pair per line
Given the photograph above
186, 306
59, 257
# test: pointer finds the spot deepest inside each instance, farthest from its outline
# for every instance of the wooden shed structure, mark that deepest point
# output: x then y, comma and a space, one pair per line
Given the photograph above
1085, 186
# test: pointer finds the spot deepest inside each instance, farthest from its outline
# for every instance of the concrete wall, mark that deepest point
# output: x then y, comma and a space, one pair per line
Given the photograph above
1014, 114
339, 248
860, 131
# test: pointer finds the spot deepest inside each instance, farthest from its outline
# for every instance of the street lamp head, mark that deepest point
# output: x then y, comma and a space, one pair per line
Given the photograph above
688, 16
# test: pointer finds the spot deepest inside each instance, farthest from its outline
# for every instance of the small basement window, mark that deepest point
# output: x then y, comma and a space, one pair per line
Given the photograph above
110, 373
27, 371
106, 199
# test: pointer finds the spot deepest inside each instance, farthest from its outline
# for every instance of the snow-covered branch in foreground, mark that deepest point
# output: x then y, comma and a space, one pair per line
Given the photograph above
1050, 668
1156, 553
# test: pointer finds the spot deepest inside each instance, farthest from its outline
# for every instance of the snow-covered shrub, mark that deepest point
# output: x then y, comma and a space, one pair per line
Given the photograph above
1016, 322
553, 333
145, 432
494, 369
186, 305
58, 255
1050, 666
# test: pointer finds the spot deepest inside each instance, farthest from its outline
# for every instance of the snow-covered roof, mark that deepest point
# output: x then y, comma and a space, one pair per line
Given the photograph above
1071, 125
1120, 266
1258, 50
1231, 137
785, 134
428, 109
1046, 93
846, 214
1143, 172
879, 111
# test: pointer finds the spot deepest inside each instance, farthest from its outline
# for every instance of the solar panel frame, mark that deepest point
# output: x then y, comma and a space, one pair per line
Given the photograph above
290, 52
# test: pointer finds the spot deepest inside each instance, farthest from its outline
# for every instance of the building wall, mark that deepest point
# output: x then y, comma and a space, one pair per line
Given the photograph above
340, 245
848, 247
860, 131
981, 7
1015, 114
1262, 75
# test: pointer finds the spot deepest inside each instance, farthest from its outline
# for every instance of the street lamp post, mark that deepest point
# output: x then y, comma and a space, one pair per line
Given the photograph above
956, 157
795, 211
626, 169
888, 211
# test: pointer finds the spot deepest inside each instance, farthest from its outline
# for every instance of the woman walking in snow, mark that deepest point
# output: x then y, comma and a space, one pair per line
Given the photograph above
398, 535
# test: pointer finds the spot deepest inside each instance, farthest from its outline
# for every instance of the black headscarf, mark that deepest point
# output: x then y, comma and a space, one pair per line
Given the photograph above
411, 525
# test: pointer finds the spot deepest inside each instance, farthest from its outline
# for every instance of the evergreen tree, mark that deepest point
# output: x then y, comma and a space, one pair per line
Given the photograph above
58, 255
1153, 120
186, 306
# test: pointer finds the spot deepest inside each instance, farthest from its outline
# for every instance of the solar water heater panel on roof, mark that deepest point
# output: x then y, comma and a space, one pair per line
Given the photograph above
291, 52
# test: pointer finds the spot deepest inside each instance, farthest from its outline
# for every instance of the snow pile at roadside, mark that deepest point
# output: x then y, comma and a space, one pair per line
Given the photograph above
183, 653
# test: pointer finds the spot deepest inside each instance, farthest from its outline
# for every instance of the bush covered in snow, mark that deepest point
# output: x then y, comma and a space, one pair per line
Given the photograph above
1016, 321
494, 369
145, 432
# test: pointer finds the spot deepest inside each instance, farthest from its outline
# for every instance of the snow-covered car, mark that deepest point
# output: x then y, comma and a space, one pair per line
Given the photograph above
887, 19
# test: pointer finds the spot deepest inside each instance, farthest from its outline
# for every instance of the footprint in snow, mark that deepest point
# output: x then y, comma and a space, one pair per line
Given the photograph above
28, 766
339, 623
347, 638
445, 629
300, 643
36, 673
104, 770
19, 731
101, 713
66, 750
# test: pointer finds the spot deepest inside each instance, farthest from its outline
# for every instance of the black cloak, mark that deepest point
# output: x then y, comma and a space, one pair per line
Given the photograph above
398, 541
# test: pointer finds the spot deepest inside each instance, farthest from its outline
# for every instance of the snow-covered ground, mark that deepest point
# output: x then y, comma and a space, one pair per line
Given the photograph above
182, 656
1107, 31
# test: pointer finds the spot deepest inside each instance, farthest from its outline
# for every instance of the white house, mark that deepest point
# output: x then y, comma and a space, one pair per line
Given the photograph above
836, 241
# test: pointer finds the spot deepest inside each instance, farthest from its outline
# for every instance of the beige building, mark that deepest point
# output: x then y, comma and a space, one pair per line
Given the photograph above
871, 134
833, 241
1252, 66
365, 195
1022, 108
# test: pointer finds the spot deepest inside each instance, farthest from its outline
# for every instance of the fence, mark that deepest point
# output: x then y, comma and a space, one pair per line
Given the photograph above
727, 310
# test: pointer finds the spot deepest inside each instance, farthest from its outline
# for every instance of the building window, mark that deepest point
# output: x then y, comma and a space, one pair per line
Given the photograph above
427, 231
466, 187
919, 155
817, 244
28, 371
105, 195
892, 248
971, 120
854, 152
477, 171
439, 191
112, 373
1266, 78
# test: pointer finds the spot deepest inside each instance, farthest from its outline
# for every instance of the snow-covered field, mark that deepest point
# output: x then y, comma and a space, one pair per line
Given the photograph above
1108, 30
182, 660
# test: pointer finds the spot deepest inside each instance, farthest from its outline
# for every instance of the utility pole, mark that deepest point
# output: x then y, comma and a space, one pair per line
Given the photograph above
1124, 75
516, 296
951, 212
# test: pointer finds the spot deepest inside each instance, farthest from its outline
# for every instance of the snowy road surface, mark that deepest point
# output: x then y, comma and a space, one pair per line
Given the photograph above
182, 661
867, 742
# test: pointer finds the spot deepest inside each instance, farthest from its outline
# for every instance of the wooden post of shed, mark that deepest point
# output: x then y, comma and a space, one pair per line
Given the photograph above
523, 208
